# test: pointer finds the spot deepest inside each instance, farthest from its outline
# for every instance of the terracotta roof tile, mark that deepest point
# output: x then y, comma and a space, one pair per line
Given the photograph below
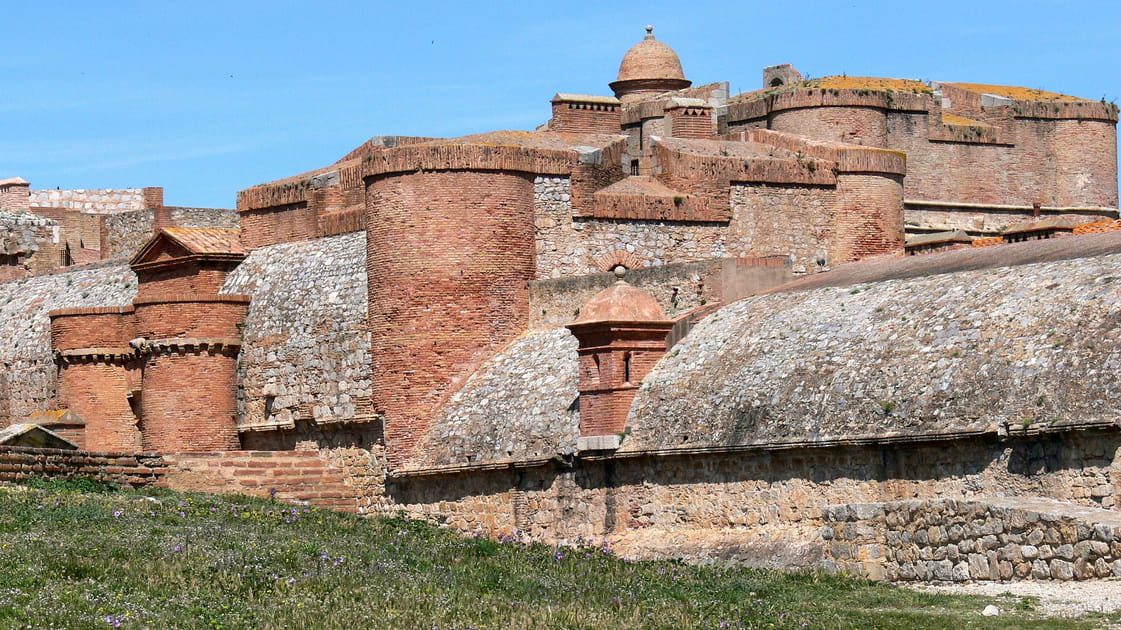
207, 240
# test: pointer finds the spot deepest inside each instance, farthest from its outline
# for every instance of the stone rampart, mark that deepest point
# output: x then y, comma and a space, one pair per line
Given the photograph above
990, 350
306, 350
999, 539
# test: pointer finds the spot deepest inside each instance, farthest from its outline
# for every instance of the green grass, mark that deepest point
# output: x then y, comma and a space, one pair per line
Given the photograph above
80, 555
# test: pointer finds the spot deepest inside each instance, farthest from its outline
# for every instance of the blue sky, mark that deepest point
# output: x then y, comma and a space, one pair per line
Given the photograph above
206, 98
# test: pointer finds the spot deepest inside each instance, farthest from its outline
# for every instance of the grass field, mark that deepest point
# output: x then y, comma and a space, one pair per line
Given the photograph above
75, 555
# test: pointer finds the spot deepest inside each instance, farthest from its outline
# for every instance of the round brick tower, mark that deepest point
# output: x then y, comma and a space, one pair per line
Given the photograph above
97, 375
450, 255
188, 346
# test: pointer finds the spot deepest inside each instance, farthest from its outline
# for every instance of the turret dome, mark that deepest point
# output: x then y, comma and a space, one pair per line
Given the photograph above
621, 302
649, 67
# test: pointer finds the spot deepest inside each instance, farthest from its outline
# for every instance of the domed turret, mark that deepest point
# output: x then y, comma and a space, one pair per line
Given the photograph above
621, 302
649, 67
621, 334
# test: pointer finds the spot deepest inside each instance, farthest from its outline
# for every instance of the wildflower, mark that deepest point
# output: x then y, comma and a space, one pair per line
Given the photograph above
177, 548
117, 514
291, 580
113, 621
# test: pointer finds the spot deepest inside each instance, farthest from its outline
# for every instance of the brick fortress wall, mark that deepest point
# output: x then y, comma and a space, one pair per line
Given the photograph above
1024, 152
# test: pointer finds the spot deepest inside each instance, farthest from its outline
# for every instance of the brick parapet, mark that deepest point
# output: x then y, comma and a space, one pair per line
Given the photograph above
191, 315
469, 157
571, 113
802, 98
845, 158
96, 329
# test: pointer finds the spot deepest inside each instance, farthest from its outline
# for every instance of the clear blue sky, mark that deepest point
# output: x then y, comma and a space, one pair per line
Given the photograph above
206, 98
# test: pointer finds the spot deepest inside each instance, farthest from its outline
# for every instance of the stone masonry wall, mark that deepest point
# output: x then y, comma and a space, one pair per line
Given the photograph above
28, 244
974, 351
762, 506
98, 201
306, 351
998, 539
25, 356
767, 220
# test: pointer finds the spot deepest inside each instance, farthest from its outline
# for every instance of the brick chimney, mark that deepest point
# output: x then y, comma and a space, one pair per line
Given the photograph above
622, 335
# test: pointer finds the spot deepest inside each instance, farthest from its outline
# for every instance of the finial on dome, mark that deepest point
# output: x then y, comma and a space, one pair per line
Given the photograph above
619, 272
649, 31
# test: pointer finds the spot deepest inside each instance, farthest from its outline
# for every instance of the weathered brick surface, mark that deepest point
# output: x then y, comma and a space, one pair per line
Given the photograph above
1026, 152
302, 477
445, 296
15, 195
96, 388
585, 117
191, 404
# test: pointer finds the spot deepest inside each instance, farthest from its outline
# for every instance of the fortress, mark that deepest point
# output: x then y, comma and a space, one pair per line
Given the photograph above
794, 326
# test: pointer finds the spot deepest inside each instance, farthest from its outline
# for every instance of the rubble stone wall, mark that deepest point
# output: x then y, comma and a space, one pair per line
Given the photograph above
306, 350
1000, 539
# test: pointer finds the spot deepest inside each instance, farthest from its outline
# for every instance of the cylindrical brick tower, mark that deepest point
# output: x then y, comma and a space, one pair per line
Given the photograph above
97, 374
450, 255
188, 347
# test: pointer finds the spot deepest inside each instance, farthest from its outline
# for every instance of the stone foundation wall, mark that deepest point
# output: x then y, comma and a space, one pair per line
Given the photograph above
742, 501
957, 541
